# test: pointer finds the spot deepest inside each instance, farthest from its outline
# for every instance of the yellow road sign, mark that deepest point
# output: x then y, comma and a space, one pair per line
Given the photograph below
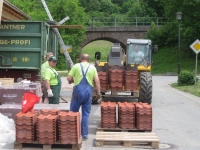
195, 46
68, 48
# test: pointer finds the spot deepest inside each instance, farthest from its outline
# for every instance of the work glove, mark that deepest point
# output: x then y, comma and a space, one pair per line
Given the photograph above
50, 94
98, 98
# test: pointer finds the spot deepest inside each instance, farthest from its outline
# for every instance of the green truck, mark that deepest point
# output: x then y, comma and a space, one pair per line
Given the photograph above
23, 45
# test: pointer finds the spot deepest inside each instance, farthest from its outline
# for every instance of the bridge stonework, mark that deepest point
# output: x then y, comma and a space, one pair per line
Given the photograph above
114, 34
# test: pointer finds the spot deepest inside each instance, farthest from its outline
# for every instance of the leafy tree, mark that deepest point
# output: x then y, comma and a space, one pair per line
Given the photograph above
189, 23
59, 9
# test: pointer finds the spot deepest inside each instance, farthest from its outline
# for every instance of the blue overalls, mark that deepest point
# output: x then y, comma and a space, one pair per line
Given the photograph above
82, 95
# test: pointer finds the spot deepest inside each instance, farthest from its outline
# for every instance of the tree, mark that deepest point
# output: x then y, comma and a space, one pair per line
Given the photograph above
59, 9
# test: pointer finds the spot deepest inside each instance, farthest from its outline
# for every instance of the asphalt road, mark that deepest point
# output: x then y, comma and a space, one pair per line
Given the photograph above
176, 118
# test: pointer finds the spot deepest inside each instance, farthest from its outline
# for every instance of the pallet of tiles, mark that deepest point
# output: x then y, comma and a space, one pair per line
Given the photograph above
126, 139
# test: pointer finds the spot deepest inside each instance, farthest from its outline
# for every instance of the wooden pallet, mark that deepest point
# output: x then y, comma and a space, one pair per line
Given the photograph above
38, 146
126, 139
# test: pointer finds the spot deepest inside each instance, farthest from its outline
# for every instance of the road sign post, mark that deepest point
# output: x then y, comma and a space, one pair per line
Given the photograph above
195, 46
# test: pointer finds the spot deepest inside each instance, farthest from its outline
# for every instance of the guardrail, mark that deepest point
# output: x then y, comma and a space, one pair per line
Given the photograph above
125, 21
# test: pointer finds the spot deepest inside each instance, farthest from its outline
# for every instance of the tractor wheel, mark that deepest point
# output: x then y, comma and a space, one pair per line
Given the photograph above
145, 95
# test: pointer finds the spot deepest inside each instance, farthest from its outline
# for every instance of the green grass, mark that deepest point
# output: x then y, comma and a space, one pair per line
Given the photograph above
101, 46
192, 89
63, 73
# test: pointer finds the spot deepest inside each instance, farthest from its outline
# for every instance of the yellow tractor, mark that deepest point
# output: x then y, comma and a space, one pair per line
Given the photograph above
127, 73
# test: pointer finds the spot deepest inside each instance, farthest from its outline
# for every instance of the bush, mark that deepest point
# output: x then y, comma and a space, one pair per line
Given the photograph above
186, 78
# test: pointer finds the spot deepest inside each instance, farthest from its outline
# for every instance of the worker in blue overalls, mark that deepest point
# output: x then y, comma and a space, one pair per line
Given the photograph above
83, 75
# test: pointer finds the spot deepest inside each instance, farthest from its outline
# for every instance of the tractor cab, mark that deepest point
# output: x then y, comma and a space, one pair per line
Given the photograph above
139, 51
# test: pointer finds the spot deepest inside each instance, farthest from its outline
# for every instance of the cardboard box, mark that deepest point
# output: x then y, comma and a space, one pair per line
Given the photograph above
7, 81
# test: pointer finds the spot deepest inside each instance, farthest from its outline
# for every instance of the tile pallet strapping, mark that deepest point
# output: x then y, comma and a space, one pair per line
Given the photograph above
103, 78
126, 115
108, 114
116, 79
48, 127
143, 116
69, 127
131, 80
25, 126
130, 115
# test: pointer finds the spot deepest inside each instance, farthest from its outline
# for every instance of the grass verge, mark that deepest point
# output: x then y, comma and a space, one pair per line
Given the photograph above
192, 89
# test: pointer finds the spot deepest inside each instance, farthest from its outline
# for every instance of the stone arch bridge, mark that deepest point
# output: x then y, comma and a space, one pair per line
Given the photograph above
114, 34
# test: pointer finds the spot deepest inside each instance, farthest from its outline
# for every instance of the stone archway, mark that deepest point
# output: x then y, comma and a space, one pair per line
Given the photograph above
114, 34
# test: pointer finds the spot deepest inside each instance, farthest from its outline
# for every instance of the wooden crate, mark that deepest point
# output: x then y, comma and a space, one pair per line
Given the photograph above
7, 81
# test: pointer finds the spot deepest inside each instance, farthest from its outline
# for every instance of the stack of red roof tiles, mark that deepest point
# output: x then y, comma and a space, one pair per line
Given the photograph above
46, 129
69, 127
131, 82
108, 114
25, 126
143, 116
103, 77
126, 115
50, 127
116, 79
130, 115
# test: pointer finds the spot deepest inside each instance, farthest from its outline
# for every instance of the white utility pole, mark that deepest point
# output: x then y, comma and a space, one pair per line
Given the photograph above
62, 45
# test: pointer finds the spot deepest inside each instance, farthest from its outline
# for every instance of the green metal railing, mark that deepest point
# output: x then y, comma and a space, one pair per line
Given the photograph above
124, 21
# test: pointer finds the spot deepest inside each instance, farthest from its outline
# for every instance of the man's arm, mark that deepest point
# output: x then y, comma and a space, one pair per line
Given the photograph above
70, 79
97, 84
47, 84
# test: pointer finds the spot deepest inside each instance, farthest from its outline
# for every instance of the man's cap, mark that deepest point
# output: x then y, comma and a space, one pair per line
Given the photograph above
52, 58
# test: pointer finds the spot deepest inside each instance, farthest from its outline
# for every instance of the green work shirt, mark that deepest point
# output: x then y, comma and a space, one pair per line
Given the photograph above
76, 73
43, 68
51, 75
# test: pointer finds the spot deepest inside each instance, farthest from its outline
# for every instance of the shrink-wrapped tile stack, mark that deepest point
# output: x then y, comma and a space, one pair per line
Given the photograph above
47, 129
25, 126
103, 78
69, 127
126, 115
143, 116
116, 79
108, 114
131, 80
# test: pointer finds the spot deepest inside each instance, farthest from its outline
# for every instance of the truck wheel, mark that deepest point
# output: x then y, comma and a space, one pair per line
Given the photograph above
145, 94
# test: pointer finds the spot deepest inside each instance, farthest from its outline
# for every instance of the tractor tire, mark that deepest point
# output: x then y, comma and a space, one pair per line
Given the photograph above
145, 94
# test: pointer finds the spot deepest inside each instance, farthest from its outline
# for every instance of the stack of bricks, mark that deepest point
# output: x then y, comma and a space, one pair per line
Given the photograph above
46, 128
25, 126
116, 79
131, 82
126, 115
108, 114
69, 127
103, 78
143, 116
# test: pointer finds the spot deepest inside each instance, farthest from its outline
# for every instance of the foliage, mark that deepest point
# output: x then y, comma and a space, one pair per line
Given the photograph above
186, 78
59, 9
